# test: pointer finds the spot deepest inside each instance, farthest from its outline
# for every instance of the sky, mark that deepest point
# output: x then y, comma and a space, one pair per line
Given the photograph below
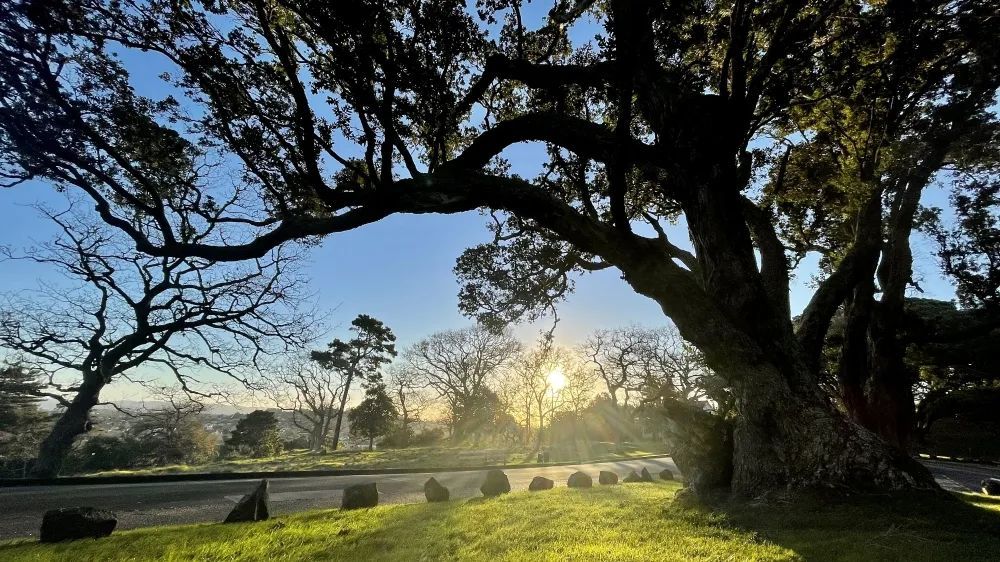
399, 270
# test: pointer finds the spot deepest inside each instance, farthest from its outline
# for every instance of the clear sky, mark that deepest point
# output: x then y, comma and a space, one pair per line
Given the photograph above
400, 269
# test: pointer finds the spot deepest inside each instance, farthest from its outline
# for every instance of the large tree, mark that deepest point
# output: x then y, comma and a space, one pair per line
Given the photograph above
460, 366
312, 394
358, 359
335, 115
121, 315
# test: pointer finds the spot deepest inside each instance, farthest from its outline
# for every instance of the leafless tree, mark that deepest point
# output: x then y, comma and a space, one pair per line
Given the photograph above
119, 311
312, 394
672, 367
408, 393
459, 364
618, 358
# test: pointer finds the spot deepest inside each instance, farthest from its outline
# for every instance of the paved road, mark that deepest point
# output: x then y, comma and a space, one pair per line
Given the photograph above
141, 505
958, 476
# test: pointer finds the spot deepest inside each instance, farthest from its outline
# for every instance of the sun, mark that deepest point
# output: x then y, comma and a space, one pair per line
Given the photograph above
556, 378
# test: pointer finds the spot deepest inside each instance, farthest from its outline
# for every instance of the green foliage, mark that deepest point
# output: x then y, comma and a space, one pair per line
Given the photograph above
255, 435
970, 251
372, 346
22, 423
106, 452
375, 416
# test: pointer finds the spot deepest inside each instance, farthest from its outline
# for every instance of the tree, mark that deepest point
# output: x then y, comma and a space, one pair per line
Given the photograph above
359, 358
122, 310
174, 433
255, 435
408, 396
375, 416
313, 395
459, 365
22, 423
660, 116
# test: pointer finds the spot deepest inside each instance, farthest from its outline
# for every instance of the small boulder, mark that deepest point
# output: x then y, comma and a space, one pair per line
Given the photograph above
580, 480
606, 477
360, 495
435, 492
251, 507
631, 477
540, 483
645, 475
666, 474
496, 483
73, 523
991, 486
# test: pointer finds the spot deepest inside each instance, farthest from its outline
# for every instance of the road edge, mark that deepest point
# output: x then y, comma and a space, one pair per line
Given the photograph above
216, 476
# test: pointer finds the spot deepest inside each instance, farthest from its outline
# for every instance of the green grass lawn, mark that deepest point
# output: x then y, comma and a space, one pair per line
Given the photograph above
626, 522
414, 457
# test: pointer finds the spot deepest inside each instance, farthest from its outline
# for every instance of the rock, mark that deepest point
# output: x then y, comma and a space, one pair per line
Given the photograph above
991, 486
580, 480
251, 507
666, 474
631, 477
540, 483
686, 498
72, 523
645, 475
435, 492
360, 495
606, 477
496, 483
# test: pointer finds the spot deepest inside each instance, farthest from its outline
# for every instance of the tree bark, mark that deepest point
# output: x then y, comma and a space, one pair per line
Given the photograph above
340, 414
74, 421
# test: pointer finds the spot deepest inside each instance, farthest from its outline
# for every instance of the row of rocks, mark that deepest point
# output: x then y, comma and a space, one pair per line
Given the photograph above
87, 522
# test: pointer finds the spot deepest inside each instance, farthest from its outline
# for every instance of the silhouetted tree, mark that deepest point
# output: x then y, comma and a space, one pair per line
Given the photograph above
335, 115
361, 357
122, 310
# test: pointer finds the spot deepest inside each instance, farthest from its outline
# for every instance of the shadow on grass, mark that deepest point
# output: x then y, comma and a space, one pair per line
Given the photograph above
911, 527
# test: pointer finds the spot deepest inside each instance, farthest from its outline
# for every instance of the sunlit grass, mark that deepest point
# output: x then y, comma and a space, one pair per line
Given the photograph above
415, 457
626, 522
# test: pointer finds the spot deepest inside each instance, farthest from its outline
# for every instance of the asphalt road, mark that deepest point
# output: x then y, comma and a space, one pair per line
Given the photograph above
141, 505
966, 475
171, 503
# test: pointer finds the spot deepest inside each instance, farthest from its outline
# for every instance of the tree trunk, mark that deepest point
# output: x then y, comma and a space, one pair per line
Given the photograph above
792, 438
340, 414
74, 421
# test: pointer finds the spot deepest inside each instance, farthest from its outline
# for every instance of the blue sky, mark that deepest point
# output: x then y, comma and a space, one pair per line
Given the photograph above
400, 269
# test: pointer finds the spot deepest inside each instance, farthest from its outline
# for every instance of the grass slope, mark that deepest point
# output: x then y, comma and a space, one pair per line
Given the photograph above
414, 457
627, 522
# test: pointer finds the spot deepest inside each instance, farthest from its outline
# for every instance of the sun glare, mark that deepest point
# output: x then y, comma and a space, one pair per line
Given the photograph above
556, 378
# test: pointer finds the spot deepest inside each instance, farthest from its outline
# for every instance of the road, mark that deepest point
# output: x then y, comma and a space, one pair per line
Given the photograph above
141, 505
171, 503
965, 475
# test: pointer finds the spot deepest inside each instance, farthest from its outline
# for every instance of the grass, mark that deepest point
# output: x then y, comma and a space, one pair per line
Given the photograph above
415, 457
620, 523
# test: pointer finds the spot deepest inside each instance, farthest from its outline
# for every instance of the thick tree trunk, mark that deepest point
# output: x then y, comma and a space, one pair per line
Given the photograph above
74, 421
787, 438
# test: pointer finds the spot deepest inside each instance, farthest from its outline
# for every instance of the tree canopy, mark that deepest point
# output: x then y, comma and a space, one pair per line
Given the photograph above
772, 128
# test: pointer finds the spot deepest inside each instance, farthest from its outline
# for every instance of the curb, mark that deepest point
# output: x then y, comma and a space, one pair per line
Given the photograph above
956, 460
216, 476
